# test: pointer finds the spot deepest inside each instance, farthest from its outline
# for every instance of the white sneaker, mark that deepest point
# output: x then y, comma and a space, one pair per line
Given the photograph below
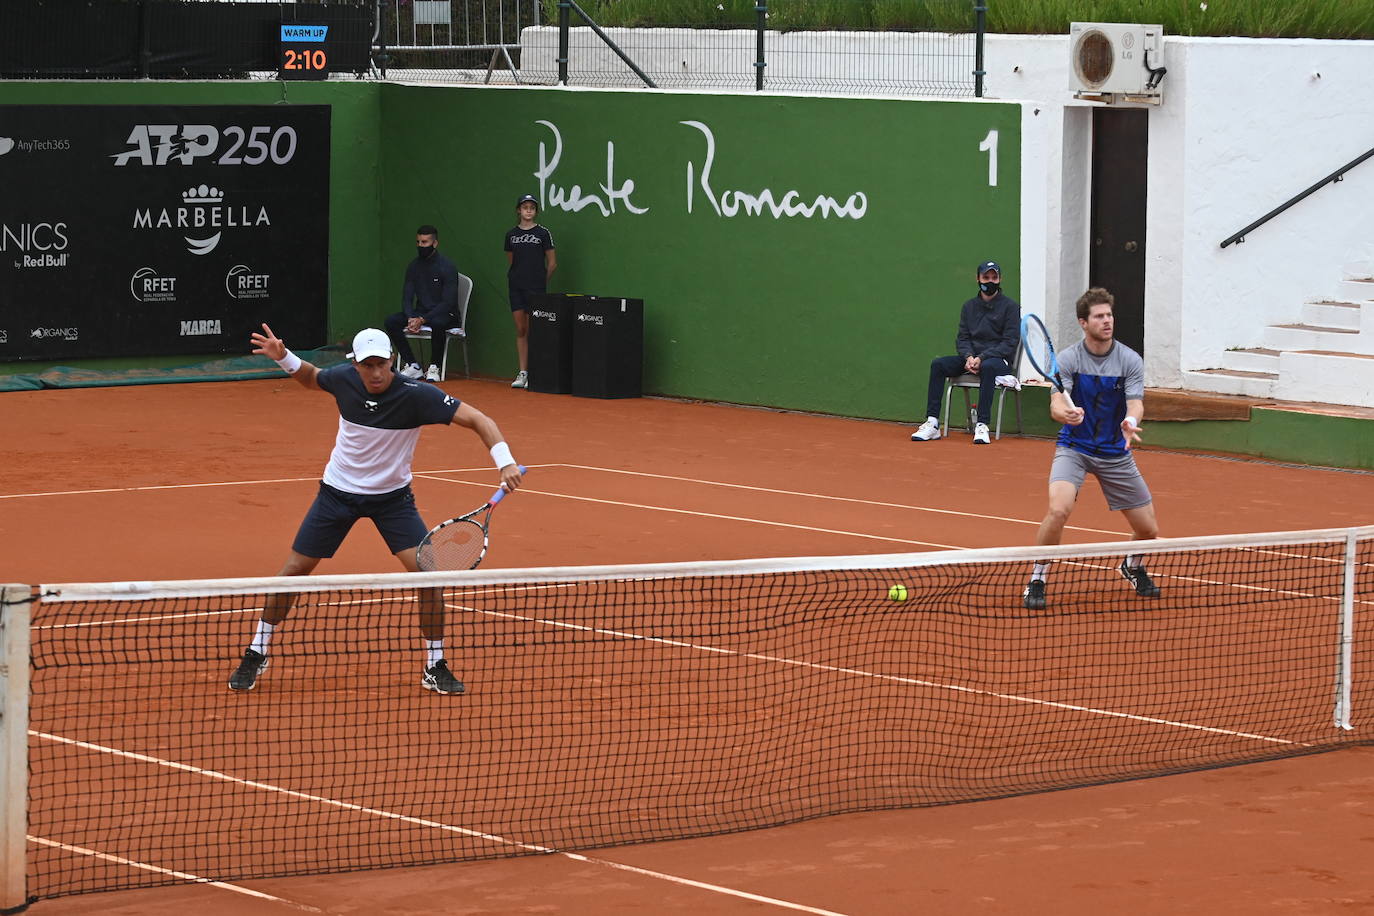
412, 371
980, 434
522, 380
433, 374
929, 430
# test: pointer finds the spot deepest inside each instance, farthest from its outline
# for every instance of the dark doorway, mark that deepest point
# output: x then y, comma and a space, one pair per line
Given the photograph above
1117, 262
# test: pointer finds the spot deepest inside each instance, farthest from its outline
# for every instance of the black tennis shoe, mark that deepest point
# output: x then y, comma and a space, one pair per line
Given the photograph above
441, 680
1137, 576
1034, 595
245, 677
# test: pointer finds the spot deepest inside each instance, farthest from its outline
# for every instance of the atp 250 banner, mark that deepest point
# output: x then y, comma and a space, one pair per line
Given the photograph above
138, 230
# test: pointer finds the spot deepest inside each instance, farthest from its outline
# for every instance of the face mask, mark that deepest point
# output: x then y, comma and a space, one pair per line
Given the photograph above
989, 289
424, 251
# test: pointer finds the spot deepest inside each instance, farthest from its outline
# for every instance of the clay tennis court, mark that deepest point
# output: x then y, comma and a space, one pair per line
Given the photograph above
210, 480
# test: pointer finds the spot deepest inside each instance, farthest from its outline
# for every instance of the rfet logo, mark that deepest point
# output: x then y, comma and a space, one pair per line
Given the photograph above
146, 286
242, 283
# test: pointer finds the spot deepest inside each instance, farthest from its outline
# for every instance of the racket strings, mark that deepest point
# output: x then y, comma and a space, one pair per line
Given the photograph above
454, 547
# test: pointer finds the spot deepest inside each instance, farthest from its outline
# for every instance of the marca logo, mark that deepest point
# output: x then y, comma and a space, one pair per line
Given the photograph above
242, 283
541, 313
201, 328
146, 286
50, 333
172, 144
593, 319
202, 208
37, 244
4, 336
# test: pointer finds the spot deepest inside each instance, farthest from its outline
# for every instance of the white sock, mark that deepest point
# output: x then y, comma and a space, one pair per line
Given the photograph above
434, 652
1041, 571
263, 638
1133, 561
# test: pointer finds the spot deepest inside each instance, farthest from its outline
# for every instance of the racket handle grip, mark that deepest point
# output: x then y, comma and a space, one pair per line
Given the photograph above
501, 493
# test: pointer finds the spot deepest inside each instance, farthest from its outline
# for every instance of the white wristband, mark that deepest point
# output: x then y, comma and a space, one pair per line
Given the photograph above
290, 362
1131, 422
500, 453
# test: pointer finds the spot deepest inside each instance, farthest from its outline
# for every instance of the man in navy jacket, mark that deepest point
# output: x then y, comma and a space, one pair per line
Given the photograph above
989, 335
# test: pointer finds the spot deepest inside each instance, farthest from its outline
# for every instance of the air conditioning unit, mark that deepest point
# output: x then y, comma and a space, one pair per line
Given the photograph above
1116, 59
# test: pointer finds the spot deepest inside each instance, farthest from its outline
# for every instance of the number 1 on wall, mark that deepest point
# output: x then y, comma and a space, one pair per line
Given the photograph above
989, 146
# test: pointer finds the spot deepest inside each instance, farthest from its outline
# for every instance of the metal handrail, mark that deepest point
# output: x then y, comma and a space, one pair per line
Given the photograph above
1334, 177
563, 7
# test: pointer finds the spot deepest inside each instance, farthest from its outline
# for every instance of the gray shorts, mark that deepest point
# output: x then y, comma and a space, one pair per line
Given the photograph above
1119, 477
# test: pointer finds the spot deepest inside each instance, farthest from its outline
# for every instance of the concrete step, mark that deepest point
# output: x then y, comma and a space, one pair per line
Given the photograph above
1229, 381
1255, 359
1314, 337
1329, 377
1345, 315
1358, 290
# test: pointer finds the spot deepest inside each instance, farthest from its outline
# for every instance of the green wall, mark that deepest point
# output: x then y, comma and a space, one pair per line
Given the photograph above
832, 314
354, 178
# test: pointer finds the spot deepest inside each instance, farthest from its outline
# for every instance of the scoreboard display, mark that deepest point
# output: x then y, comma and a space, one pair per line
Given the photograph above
304, 52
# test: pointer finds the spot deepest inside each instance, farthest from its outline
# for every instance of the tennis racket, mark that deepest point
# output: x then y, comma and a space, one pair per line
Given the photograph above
1040, 349
459, 543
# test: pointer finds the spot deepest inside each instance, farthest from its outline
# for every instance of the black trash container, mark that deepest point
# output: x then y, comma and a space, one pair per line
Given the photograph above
551, 343
608, 347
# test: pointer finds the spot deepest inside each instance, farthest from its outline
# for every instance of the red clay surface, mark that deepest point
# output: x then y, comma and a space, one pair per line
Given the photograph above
210, 480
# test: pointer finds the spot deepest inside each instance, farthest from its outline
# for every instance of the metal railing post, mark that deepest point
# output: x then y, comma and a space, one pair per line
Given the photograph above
980, 10
760, 25
564, 24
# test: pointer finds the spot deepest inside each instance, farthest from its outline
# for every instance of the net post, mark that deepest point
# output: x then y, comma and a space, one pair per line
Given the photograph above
14, 744
1344, 676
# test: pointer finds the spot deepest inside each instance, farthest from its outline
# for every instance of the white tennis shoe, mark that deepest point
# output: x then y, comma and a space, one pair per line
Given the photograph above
433, 374
929, 431
980, 434
412, 371
522, 380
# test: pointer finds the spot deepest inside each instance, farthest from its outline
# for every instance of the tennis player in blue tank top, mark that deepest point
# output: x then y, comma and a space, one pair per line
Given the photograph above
1105, 385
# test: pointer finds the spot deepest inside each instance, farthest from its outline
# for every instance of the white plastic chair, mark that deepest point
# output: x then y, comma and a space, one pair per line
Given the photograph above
460, 331
966, 382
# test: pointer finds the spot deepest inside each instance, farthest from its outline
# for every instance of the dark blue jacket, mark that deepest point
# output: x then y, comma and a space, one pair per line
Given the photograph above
989, 328
431, 290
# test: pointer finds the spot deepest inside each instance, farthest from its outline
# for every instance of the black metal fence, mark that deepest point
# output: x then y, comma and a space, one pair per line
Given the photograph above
555, 41
173, 39
524, 41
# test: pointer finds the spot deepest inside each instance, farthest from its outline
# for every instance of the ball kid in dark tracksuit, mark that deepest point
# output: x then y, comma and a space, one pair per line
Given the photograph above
530, 253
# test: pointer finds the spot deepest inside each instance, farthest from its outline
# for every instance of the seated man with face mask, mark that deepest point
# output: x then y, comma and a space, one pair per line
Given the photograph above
989, 334
429, 298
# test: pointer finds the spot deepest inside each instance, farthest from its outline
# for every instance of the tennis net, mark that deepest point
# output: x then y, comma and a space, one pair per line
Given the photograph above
616, 705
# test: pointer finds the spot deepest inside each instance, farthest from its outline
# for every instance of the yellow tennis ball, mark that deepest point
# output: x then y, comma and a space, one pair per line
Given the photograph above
897, 593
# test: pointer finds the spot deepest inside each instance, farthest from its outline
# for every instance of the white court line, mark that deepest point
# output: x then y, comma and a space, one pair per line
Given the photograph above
418, 821
846, 499
181, 875
728, 518
894, 678
429, 475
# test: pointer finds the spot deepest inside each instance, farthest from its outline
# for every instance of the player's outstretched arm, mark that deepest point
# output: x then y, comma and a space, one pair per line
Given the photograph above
1130, 426
486, 429
274, 348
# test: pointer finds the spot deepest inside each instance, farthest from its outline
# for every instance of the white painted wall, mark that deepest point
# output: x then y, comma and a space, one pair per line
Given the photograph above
1244, 125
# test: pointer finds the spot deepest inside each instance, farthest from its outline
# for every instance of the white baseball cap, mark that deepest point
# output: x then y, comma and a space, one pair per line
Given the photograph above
370, 342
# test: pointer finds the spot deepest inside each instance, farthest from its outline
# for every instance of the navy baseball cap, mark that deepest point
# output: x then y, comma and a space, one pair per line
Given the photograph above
528, 199
989, 265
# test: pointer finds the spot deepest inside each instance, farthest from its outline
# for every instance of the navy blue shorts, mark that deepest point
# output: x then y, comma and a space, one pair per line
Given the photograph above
523, 299
333, 513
